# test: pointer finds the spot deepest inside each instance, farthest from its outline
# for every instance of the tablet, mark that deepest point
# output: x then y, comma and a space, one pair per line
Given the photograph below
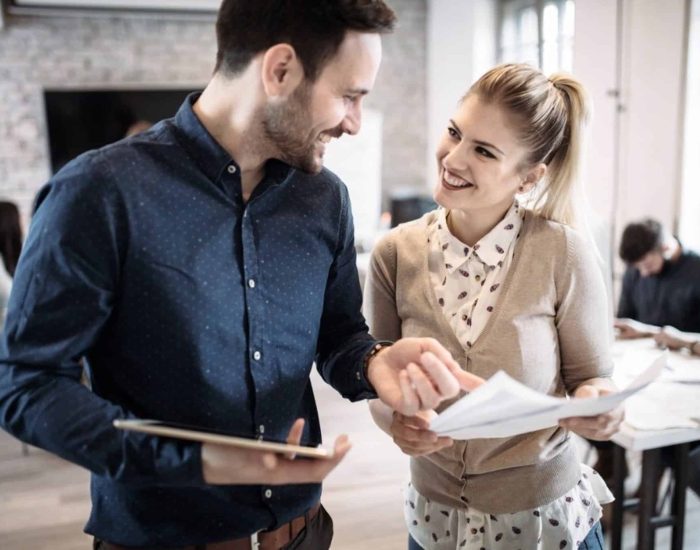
180, 431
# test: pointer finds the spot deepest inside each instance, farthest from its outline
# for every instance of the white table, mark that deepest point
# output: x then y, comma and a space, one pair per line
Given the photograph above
675, 402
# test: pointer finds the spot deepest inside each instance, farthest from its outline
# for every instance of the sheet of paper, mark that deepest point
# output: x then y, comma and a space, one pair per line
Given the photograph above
503, 407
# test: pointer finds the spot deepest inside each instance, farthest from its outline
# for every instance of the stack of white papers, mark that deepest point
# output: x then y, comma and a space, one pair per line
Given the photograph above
503, 407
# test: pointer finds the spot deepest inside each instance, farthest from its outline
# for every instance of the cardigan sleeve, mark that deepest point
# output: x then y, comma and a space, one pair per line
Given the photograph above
583, 320
379, 305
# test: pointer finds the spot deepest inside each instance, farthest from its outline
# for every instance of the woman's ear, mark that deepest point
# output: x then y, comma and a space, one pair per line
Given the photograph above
532, 176
281, 71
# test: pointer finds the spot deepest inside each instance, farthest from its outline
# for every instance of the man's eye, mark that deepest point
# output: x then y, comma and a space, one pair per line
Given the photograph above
485, 153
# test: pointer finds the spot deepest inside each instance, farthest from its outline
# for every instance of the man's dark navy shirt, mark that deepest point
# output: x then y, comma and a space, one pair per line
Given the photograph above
187, 305
672, 297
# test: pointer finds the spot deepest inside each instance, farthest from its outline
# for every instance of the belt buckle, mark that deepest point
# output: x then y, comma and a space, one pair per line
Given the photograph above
254, 542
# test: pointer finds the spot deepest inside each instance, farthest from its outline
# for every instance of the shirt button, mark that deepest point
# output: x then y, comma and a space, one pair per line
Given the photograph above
261, 429
268, 493
231, 169
257, 355
251, 283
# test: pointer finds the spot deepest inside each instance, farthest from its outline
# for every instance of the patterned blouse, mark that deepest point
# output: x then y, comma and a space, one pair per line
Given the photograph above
467, 282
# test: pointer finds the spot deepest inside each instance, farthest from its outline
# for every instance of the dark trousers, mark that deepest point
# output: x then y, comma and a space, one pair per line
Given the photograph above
317, 535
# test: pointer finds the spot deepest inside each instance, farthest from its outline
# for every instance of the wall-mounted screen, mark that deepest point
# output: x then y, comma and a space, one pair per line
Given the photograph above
80, 120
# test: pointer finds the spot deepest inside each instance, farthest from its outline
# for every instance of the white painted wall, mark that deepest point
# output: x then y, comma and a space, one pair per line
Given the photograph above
652, 85
595, 65
689, 226
638, 173
461, 42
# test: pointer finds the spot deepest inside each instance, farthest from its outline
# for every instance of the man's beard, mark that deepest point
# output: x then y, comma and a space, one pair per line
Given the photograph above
287, 127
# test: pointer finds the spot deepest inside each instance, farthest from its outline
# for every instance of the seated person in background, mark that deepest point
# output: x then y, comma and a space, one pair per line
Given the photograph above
661, 287
662, 283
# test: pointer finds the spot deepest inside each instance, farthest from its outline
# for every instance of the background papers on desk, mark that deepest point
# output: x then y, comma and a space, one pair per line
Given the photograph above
664, 406
503, 407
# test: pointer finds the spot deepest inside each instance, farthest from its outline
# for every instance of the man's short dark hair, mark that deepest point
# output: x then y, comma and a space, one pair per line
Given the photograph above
640, 238
314, 28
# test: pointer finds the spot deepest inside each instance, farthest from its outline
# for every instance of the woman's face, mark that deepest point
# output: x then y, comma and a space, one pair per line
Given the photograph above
480, 160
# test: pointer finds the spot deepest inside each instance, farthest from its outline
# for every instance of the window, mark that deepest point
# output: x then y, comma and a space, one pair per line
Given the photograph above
539, 32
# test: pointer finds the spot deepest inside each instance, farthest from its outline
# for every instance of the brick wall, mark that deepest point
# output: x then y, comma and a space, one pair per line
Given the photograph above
79, 52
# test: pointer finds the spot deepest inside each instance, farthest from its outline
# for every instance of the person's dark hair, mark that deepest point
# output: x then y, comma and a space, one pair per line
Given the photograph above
314, 28
10, 236
640, 238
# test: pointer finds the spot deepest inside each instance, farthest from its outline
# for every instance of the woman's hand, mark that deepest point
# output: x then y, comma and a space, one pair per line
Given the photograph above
598, 428
413, 436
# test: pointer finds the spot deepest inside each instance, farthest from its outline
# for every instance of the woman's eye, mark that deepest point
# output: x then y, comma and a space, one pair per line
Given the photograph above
452, 132
485, 153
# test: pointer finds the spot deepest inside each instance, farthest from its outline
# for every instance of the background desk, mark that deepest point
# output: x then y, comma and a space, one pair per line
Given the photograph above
664, 404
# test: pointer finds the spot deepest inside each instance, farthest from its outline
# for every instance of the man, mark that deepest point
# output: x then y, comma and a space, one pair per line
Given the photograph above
199, 269
660, 288
662, 283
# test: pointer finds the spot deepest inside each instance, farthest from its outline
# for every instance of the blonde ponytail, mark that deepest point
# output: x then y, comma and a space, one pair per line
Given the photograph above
562, 196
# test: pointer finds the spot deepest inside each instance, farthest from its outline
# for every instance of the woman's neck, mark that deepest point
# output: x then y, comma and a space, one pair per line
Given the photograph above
470, 226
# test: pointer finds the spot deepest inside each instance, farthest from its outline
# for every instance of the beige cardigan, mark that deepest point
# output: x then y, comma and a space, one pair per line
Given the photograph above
551, 331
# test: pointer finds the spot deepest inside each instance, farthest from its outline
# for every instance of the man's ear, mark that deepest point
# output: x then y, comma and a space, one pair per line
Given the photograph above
281, 71
532, 176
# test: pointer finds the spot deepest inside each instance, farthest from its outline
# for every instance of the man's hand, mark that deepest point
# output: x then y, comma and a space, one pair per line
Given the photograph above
625, 330
598, 428
225, 465
413, 436
417, 374
672, 339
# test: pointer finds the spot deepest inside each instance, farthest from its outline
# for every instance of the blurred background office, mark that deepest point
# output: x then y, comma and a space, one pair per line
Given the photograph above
77, 74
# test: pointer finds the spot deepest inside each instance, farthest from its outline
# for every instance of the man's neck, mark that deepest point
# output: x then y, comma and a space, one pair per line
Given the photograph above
229, 112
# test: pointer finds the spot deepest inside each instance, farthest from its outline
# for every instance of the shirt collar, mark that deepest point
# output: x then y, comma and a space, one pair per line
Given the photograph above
211, 157
491, 248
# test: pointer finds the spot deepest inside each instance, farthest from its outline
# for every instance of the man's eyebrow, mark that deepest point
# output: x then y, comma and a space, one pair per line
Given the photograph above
358, 91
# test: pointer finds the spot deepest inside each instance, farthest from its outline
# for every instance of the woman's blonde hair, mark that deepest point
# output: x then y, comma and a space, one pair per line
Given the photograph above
550, 115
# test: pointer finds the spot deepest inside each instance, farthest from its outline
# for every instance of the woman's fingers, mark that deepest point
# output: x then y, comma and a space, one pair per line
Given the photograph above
412, 436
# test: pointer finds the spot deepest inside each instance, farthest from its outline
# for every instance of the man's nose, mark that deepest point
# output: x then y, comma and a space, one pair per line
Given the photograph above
353, 120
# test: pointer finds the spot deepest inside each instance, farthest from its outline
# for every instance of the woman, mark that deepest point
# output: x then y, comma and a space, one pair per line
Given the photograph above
502, 287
